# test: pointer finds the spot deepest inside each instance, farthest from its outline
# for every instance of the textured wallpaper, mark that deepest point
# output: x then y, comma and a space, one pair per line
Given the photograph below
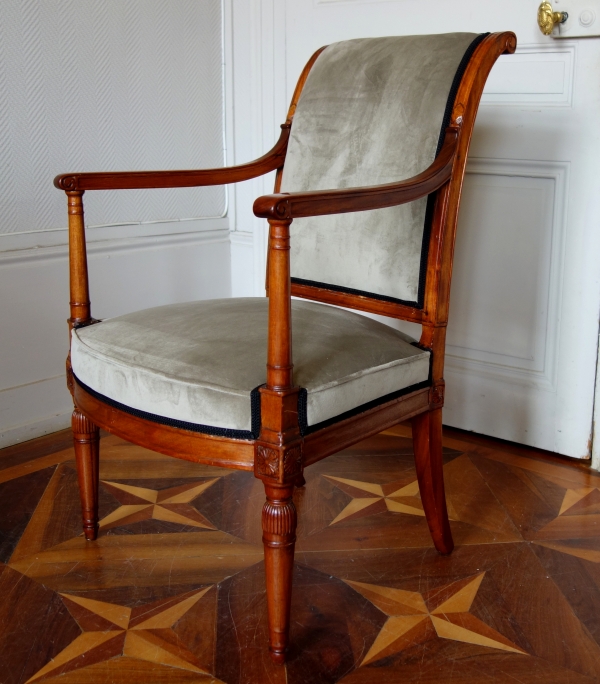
92, 85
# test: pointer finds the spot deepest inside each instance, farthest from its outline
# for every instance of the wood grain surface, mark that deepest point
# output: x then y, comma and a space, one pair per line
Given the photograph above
183, 599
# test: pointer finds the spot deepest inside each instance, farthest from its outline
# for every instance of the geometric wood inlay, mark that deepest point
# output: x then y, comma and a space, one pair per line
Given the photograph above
363, 505
412, 614
120, 634
169, 505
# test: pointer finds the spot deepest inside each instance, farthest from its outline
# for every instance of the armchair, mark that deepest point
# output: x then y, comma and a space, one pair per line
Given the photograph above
216, 382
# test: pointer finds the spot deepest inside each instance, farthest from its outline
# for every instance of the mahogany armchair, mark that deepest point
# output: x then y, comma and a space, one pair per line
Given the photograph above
216, 382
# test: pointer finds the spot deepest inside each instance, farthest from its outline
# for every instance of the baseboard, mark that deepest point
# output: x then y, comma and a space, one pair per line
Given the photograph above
37, 428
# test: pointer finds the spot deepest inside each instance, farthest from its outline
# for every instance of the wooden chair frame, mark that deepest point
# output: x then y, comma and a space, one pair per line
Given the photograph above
280, 454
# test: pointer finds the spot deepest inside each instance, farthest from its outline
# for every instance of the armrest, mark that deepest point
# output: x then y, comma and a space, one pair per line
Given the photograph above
130, 180
321, 202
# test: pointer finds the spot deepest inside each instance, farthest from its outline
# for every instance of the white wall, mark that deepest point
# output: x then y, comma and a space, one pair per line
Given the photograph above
260, 107
105, 85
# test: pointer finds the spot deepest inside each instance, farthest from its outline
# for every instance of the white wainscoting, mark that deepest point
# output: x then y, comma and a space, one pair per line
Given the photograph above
125, 275
508, 271
539, 75
502, 345
242, 258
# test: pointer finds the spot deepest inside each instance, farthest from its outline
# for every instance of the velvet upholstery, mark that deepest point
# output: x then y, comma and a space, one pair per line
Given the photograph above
371, 112
198, 362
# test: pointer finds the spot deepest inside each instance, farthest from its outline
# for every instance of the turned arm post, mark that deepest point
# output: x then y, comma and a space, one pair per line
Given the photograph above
279, 353
78, 271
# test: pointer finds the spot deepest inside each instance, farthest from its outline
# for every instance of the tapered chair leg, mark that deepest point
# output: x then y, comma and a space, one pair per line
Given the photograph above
86, 439
427, 443
279, 538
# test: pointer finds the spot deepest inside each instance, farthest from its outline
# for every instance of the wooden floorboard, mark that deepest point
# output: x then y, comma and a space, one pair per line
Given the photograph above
173, 589
29, 451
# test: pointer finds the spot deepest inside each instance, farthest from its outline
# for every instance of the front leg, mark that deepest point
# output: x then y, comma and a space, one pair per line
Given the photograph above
279, 538
86, 439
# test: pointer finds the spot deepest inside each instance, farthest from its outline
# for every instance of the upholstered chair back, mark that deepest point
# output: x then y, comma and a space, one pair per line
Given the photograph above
372, 111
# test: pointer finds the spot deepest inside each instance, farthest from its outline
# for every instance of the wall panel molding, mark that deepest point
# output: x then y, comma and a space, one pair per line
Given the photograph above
490, 337
242, 251
259, 35
535, 75
55, 238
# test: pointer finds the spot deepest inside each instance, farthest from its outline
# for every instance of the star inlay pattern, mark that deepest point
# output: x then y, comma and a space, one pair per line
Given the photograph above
414, 618
579, 515
369, 498
581, 501
111, 630
170, 505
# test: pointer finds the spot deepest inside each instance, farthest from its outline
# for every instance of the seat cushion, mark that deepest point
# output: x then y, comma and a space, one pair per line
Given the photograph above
201, 363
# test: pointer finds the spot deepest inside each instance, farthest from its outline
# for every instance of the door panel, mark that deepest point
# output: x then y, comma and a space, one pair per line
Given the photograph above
522, 339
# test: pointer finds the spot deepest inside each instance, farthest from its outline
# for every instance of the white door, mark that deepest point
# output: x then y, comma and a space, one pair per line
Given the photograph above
522, 340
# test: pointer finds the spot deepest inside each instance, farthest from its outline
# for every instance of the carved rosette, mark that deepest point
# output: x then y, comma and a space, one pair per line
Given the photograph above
436, 395
283, 465
81, 425
279, 518
267, 461
292, 461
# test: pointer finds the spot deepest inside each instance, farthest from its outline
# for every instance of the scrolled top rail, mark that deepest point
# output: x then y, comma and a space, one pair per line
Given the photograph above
323, 202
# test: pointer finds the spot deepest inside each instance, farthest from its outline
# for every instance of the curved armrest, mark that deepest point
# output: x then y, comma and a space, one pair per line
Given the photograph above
130, 180
321, 202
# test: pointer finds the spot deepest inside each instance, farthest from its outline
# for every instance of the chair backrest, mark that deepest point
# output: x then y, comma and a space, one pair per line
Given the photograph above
372, 111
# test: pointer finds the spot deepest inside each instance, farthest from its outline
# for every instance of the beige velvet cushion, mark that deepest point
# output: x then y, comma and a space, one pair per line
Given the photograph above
370, 112
198, 362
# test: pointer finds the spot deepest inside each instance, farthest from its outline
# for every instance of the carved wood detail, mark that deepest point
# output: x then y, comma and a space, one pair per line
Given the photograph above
292, 461
279, 518
82, 425
283, 464
267, 461
436, 395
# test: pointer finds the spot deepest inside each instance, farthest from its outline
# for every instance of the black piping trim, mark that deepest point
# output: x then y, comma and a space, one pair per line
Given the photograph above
306, 429
350, 290
464, 62
303, 411
182, 424
419, 303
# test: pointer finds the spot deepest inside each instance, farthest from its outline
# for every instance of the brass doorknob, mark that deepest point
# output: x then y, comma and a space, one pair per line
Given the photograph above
547, 18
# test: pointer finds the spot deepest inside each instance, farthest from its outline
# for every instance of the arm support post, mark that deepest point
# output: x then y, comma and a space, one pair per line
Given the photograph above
78, 271
279, 354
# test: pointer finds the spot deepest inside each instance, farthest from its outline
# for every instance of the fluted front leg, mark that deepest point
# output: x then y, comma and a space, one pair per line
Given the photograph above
279, 538
86, 439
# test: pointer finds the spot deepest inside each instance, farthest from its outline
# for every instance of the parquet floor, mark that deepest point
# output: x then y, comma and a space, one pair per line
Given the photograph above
173, 590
